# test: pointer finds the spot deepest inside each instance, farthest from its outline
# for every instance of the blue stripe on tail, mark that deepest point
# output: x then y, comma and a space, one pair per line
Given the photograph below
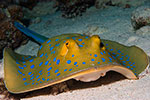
37, 37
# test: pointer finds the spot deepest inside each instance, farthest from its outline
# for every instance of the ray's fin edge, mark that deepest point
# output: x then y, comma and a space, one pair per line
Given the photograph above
37, 37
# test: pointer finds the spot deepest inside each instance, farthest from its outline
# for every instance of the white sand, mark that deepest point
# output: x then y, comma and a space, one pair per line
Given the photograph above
112, 23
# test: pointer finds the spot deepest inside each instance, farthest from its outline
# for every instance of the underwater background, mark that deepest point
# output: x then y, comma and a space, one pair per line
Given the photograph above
124, 21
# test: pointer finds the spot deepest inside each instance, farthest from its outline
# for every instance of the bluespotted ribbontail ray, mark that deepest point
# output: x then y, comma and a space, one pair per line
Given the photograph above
68, 56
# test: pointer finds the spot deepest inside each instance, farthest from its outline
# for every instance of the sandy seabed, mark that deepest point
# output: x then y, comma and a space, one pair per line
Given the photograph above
113, 23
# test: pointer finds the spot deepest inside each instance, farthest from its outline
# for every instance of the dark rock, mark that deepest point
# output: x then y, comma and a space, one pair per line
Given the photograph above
141, 17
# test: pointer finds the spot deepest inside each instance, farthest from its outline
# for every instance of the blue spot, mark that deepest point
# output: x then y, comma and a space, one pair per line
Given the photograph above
90, 54
36, 83
69, 61
38, 79
67, 37
41, 47
121, 58
56, 70
49, 68
24, 65
51, 48
31, 60
40, 82
75, 63
50, 44
131, 68
40, 71
32, 66
73, 38
98, 62
25, 83
32, 83
72, 55
79, 39
70, 69
29, 73
113, 53
95, 55
48, 79
54, 59
48, 73
21, 67
92, 59
40, 63
109, 53
101, 53
110, 58
46, 62
86, 37
104, 52
17, 62
123, 61
103, 59
133, 63
65, 70
111, 49
43, 79
58, 61
117, 55
23, 74
80, 45
57, 44
37, 76
83, 43
58, 74
119, 51
24, 79
129, 62
64, 41
48, 41
41, 55
135, 73
23, 62
114, 57
83, 62
106, 44
32, 78
49, 64
45, 54
53, 52
127, 59
56, 39
19, 71
122, 54
128, 66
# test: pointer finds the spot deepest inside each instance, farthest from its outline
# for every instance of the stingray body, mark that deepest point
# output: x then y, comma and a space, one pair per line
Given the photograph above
68, 56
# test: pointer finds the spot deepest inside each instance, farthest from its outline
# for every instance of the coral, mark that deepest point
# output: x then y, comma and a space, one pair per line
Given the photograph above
102, 3
124, 3
140, 17
73, 8
9, 35
145, 31
15, 12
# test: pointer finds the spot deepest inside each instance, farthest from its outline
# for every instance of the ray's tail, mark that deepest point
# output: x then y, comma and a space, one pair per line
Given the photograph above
37, 37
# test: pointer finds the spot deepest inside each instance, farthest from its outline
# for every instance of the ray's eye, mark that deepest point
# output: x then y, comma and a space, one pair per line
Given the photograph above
102, 46
67, 44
